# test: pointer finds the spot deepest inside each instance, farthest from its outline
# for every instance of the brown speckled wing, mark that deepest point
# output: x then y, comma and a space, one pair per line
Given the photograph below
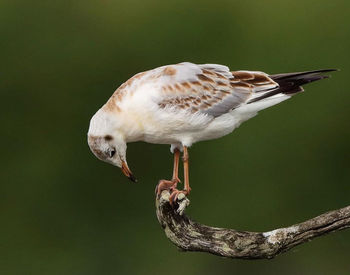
212, 89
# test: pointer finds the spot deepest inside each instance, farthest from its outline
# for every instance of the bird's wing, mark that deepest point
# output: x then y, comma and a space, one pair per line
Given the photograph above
209, 88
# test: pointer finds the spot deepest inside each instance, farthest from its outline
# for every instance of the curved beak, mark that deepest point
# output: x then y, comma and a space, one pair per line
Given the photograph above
126, 171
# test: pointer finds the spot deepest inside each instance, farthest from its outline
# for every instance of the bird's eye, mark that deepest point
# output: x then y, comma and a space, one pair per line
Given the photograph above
111, 153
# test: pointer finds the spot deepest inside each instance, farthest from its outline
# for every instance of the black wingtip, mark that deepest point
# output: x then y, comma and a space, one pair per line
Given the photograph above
326, 70
291, 83
300, 75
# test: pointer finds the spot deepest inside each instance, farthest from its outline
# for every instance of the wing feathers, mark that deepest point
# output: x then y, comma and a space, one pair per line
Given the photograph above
212, 89
291, 83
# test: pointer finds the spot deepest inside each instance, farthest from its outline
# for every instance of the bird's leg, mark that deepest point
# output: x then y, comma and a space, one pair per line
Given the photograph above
176, 166
170, 184
175, 193
187, 187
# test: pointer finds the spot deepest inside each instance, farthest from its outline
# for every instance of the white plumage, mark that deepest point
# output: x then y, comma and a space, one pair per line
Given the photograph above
185, 103
140, 117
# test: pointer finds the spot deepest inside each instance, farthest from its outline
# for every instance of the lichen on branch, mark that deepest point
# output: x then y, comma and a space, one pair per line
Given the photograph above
189, 235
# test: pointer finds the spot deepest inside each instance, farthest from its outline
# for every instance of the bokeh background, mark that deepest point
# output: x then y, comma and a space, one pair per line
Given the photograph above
64, 212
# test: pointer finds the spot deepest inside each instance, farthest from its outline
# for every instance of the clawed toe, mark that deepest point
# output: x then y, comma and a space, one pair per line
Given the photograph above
171, 187
165, 185
175, 195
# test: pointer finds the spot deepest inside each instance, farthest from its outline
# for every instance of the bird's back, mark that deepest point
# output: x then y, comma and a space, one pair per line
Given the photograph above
176, 101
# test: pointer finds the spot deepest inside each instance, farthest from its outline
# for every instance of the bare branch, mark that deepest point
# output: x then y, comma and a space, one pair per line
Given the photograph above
192, 236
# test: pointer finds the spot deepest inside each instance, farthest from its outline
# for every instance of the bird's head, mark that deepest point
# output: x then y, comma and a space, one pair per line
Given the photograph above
107, 143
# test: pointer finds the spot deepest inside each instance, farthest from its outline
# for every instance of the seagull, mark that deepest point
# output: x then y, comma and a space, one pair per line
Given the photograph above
182, 104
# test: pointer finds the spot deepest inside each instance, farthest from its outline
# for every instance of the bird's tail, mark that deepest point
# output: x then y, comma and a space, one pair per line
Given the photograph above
291, 83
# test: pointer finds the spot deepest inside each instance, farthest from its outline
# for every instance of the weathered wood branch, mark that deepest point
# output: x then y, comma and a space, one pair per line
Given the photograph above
192, 236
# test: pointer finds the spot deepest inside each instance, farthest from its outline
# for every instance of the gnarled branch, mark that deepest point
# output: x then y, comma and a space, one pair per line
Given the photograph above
192, 236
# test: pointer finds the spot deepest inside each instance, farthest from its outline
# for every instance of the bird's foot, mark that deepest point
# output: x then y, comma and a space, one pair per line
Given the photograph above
175, 195
166, 185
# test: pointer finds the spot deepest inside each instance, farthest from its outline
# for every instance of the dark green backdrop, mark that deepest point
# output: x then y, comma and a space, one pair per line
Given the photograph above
64, 212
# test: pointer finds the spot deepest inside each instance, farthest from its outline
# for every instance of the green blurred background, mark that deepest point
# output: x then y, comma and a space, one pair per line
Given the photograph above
64, 212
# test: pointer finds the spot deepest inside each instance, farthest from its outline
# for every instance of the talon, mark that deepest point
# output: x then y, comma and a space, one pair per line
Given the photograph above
174, 196
176, 179
165, 185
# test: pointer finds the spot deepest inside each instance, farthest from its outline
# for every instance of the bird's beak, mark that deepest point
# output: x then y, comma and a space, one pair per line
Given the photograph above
126, 171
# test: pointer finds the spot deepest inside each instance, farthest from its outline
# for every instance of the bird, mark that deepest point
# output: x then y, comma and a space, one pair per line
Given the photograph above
181, 104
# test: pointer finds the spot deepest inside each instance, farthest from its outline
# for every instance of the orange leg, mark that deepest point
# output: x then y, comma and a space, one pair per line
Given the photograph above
175, 193
187, 187
176, 166
170, 184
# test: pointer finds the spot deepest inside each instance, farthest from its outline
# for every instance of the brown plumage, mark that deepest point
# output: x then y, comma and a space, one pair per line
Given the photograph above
291, 83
